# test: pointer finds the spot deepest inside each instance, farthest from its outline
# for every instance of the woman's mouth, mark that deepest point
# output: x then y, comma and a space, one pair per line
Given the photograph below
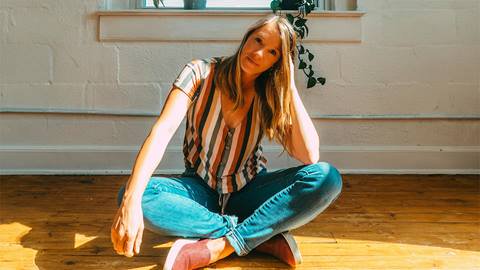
251, 61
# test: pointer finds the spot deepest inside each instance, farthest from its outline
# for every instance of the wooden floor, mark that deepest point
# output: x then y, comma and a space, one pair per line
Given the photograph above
379, 222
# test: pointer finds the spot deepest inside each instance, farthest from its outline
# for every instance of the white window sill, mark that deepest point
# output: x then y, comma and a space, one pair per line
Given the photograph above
217, 25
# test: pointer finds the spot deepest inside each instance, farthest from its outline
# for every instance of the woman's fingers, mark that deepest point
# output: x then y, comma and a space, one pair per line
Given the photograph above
118, 238
130, 240
138, 239
118, 245
123, 237
114, 235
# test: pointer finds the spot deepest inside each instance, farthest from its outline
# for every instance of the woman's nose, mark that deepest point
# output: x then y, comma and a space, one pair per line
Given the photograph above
258, 55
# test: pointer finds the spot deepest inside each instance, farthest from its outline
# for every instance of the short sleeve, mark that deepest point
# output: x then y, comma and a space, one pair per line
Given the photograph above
190, 78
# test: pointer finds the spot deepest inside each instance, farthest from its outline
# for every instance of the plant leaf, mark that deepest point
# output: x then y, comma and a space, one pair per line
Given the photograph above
302, 64
321, 80
301, 50
299, 23
275, 4
290, 18
311, 82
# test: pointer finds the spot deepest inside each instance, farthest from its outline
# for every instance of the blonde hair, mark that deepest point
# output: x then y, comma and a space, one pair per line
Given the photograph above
274, 105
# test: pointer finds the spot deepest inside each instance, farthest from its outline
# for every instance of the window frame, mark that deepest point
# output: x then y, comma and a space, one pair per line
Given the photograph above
141, 4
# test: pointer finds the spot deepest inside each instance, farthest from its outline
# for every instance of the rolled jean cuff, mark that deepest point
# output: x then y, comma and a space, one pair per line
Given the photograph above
232, 221
237, 242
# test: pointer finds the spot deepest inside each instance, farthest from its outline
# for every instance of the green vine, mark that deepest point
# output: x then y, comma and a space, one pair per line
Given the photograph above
299, 24
155, 2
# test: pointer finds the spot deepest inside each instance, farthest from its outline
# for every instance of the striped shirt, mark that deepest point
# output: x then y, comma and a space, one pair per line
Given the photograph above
225, 158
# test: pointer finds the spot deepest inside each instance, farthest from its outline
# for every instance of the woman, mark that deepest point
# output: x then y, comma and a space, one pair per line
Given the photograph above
226, 201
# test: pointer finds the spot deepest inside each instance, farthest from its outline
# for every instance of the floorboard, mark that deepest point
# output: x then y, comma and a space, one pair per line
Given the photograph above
378, 222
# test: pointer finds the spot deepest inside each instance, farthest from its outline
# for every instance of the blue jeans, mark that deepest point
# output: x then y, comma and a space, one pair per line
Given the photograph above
272, 203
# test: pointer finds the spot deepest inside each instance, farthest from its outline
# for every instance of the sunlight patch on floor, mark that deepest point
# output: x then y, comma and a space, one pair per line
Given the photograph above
13, 232
164, 245
153, 266
81, 239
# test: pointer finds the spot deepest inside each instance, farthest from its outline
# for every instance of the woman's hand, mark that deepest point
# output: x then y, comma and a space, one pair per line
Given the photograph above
127, 229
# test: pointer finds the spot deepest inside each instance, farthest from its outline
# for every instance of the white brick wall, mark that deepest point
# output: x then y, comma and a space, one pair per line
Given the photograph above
393, 99
88, 63
25, 63
152, 62
419, 58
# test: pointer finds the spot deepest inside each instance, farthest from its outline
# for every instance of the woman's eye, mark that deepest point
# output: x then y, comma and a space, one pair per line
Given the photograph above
272, 51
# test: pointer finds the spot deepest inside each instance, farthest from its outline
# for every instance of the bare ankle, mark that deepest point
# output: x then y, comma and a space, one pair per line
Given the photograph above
219, 248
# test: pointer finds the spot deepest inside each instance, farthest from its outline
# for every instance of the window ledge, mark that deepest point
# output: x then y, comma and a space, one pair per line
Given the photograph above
217, 24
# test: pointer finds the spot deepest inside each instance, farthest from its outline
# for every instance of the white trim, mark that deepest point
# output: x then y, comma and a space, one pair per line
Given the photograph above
228, 25
319, 4
178, 171
313, 116
266, 148
225, 12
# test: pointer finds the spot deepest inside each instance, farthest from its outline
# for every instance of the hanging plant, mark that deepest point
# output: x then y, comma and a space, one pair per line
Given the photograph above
298, 22
155, 3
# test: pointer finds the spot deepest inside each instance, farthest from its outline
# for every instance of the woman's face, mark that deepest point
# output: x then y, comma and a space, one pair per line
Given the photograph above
261, 50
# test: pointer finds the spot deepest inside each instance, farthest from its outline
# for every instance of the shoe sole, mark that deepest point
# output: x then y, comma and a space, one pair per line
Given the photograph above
173, 252
293, 247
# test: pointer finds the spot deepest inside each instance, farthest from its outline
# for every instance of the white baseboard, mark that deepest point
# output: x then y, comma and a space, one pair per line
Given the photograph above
159, 172
104, 160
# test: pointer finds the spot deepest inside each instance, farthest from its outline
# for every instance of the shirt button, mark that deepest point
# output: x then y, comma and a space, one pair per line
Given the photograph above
227, 147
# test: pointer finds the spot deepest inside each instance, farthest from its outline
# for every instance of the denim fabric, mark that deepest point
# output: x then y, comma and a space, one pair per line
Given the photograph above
273, 202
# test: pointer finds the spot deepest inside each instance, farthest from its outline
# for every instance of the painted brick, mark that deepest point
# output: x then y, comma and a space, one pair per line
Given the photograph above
3, 26
384, 99
372, 25
153, 63
398, 133
124, 97
134, 131
430, 4
372, 64
82, 64
25, 63
446, 64
468, 26
418, 27
69, 96
56, 24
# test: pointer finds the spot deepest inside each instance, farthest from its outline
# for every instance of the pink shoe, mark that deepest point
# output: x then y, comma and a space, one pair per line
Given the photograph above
283, 247
187, 254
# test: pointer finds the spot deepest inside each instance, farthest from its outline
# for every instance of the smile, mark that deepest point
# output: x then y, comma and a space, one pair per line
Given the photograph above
251, 61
